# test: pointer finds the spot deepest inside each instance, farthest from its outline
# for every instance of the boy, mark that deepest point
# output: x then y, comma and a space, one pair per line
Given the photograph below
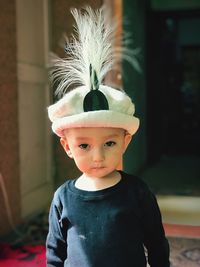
105, 217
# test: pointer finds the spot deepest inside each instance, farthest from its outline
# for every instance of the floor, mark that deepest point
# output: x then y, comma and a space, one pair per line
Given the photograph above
184, 252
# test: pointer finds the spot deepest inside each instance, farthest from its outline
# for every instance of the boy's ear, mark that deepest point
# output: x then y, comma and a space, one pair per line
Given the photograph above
127, 140
65, 145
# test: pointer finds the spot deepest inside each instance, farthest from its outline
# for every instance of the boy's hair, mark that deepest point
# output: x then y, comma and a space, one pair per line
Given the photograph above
90, 57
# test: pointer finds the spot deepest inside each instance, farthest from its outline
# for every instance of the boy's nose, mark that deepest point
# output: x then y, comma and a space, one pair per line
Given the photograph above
98, 155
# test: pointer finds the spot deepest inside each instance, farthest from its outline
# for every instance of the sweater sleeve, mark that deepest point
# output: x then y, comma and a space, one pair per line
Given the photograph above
154, 236
56, 247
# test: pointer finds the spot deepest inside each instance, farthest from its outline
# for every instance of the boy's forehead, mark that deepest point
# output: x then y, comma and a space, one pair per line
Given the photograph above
94, 132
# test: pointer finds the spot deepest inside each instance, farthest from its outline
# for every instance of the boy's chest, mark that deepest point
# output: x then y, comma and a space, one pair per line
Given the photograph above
105, 232
105, 219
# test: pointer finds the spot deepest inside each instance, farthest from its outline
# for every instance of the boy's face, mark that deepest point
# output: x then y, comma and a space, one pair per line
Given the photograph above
97, 152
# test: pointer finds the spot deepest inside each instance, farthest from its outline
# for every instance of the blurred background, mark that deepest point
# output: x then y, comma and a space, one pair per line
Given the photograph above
164, 152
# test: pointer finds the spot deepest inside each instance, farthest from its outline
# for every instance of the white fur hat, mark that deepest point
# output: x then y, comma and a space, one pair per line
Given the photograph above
91, 55
69, 112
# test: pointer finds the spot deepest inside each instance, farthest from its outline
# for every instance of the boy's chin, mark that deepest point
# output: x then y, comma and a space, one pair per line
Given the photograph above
100, 173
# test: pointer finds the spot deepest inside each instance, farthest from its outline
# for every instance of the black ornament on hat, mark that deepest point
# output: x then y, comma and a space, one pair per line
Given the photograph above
95, 99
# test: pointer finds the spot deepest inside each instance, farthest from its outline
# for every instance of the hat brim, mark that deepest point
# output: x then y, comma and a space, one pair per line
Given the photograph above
100, 118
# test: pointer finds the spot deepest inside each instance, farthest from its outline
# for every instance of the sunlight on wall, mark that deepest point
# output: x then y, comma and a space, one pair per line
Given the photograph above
180, 209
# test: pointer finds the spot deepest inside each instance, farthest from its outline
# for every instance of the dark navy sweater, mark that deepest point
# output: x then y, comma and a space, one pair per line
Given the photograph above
106, 228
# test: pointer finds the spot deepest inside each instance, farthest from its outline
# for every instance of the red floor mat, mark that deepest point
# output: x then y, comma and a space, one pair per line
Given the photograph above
26, 256
188, 231
185, 252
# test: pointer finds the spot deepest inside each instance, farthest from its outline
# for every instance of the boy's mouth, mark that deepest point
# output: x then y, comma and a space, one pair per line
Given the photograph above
98, 167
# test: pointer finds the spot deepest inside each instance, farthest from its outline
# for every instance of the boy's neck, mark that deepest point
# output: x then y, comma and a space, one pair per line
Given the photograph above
88, 183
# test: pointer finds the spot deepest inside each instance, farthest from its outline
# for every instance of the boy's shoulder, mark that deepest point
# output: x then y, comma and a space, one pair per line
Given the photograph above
61, 191
137, 185
134, 180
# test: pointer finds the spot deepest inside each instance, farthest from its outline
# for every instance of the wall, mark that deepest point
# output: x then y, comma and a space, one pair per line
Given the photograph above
9, 153
134, 83
33, 98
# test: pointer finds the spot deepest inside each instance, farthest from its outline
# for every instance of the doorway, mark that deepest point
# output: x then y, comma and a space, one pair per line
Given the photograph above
173, 102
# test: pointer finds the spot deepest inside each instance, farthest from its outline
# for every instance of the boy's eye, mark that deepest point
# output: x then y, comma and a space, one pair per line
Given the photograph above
110, 143
83, 146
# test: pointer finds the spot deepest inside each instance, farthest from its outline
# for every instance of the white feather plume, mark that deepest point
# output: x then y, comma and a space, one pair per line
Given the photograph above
91, 44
